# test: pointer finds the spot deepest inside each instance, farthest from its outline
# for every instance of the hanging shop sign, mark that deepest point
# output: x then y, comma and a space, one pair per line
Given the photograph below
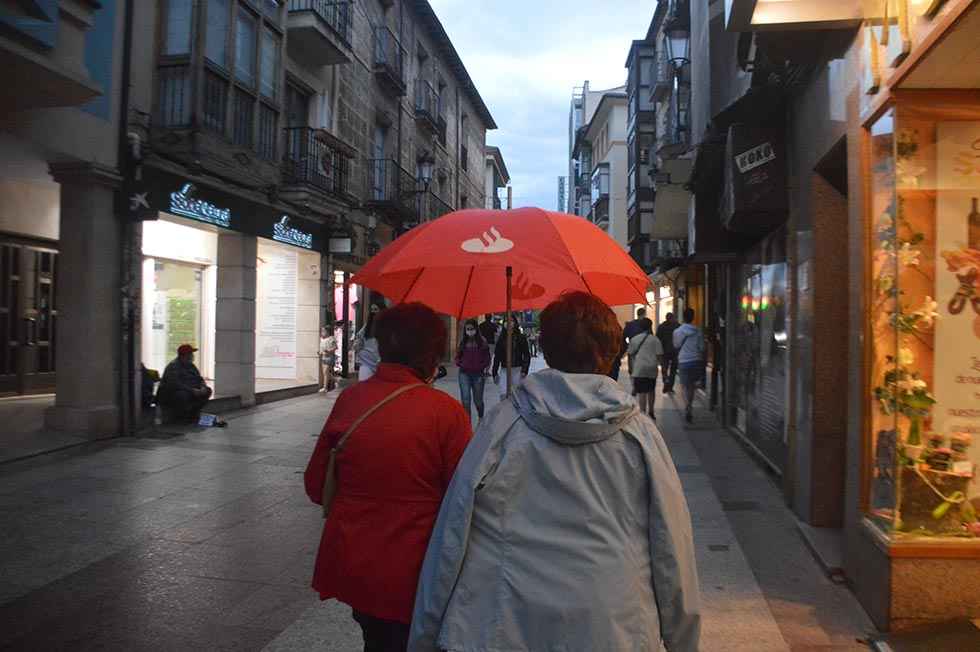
754, 198
170, 193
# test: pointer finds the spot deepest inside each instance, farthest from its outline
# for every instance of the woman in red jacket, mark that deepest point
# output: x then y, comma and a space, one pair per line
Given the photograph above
391, 477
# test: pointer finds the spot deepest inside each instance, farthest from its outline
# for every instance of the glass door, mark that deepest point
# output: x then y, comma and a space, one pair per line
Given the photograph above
28, 318
178, 297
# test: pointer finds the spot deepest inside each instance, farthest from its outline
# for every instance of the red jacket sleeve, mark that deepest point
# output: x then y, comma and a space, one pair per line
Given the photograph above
455, 436
316, 469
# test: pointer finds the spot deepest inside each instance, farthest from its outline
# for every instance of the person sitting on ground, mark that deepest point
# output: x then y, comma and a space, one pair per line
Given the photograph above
391, 475
565, 526
182, 392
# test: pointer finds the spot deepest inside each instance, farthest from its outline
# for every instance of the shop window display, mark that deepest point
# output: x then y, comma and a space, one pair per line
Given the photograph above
924, 320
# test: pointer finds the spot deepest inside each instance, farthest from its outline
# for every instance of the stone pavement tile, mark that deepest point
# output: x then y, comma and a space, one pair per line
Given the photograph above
271, 607
327, 627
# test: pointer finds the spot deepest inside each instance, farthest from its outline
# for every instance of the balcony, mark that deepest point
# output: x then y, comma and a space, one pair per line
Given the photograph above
429, 111
663, 77
389, 61
675, 136
391, 191
600, 184
496, 203
317, 159
320, 31
659, 255
42, 55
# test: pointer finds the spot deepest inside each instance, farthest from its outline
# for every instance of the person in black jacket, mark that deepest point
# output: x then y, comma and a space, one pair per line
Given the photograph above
183, 392
520, 357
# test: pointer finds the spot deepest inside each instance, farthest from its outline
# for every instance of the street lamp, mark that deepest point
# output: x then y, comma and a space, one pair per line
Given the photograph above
678, 42
425, 172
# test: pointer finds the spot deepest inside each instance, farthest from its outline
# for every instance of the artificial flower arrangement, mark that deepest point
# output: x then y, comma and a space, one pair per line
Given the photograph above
931, 479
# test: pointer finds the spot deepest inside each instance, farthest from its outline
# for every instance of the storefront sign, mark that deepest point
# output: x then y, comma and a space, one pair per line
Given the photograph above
283, 232
755, 157
183, 203
170, 193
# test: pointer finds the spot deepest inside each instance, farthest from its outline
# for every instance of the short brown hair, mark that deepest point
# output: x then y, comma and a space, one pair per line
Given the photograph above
580, 334
411, 334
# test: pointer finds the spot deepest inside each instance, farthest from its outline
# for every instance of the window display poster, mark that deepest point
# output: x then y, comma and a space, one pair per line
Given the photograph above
275, 351
957, 341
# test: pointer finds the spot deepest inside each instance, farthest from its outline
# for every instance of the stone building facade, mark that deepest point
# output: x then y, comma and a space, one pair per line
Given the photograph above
266, 150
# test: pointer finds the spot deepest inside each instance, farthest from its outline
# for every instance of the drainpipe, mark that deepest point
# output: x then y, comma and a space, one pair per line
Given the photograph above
127, 376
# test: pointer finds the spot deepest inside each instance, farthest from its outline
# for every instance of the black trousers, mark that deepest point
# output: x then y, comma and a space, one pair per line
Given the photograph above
670, 371
382, 635
181, 405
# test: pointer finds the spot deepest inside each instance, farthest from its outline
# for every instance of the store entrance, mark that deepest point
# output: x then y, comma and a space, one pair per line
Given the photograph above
28, 317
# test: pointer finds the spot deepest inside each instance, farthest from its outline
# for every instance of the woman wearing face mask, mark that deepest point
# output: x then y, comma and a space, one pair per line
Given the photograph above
520, 358
472, 358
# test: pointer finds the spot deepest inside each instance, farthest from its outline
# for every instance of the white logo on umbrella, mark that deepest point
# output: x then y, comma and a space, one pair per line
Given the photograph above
490, 243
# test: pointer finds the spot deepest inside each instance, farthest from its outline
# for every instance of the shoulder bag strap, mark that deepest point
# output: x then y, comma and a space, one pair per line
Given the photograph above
398, 392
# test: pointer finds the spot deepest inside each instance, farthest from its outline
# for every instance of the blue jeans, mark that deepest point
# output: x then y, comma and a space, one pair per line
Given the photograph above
471, 390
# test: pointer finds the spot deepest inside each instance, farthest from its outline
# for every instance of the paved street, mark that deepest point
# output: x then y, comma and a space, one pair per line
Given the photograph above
206, 541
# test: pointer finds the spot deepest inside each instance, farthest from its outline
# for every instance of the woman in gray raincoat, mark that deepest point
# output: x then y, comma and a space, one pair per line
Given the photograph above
565, 526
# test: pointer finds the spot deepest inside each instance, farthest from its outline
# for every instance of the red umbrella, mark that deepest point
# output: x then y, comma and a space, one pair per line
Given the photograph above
462, 263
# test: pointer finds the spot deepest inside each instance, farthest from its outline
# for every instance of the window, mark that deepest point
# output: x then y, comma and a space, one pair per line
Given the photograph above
324, 117
269, 72
219, 16
463, 201
271, 10
174, 101
177, 27
268, 121
243, 111
215, 101
245, 44
297, 106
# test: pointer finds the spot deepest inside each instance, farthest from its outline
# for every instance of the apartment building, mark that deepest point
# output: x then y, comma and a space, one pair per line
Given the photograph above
268, 149
497, 178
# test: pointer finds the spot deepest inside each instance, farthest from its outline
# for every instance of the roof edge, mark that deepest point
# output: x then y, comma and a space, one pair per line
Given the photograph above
425, 10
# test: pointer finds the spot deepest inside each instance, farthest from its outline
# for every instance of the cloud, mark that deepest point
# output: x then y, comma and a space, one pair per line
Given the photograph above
525, 57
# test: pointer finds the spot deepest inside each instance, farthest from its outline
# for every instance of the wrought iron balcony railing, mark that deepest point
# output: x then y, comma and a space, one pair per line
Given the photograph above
391, 189
389, 59
311, 158
428, 103
336, 14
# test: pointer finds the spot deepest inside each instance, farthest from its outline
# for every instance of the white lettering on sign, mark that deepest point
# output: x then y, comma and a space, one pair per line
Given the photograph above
753, 158
282, 232
185, 204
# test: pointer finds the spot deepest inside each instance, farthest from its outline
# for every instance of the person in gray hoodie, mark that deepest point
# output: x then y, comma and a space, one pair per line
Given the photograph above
565, 526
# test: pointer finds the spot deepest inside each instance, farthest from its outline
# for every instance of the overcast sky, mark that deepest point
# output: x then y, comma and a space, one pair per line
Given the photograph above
525, 56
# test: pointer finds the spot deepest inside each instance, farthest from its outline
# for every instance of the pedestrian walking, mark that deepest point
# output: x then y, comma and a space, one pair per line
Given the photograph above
532, 341
511, 565
665, 333
646, 354
473, 360
689, 343
489, 329
520, 358
328, 354
392, 444
366, 345
634, 327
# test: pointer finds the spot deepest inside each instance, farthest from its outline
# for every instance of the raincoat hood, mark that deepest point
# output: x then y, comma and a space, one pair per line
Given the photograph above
573, 409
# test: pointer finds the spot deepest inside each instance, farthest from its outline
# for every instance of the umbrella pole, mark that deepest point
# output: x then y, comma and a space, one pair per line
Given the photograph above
510, 328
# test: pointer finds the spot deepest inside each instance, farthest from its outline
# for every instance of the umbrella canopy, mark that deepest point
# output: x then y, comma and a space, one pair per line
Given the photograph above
457, 264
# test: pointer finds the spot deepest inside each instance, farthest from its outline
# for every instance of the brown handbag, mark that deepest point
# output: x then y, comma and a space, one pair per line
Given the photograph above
330, 479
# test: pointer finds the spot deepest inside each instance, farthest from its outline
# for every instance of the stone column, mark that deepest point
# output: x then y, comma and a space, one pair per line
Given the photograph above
234, 356
89, 302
